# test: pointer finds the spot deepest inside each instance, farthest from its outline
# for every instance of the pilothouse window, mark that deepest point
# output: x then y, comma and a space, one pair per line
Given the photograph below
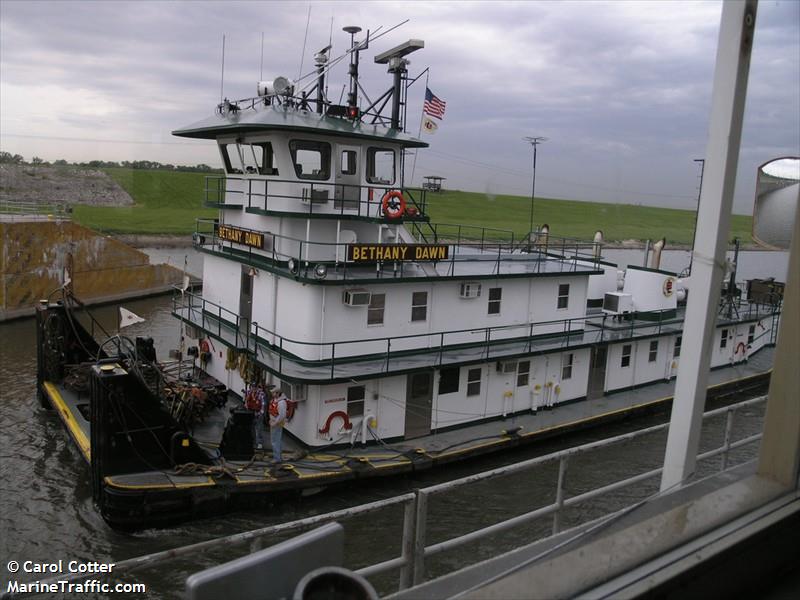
262, 156
380, 166
312, 160
231, 159
349, 158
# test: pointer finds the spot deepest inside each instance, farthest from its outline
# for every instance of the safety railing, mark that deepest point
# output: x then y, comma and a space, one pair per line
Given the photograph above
486, 342
479, 257
324, 360
14, 210
311, 196
414, 547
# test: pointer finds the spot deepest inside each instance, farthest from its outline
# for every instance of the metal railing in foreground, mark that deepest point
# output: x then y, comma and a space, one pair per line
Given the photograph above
414, 549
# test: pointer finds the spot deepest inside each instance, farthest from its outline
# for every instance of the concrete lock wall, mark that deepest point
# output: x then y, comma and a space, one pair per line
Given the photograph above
35, 253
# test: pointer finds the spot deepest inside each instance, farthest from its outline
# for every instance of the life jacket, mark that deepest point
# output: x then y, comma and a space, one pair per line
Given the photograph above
252, 400
273, 407
290, 406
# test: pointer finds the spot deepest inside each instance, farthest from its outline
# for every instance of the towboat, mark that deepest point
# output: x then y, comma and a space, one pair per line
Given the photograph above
400, 343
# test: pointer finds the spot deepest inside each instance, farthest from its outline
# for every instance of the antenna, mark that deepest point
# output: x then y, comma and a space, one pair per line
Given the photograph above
352, 96
261, 71
305, 38
222, 75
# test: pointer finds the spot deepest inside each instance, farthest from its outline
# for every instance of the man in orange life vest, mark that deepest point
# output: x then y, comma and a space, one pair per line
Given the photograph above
277, 419
256, 400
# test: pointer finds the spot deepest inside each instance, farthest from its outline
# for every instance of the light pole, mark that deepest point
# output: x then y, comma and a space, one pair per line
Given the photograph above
533, 141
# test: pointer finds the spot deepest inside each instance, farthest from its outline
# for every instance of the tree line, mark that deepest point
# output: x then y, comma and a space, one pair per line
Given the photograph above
7, 158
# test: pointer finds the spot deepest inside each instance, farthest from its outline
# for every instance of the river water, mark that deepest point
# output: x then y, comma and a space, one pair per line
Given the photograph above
46, 510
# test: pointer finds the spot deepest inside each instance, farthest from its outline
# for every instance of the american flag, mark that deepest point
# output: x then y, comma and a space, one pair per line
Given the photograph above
433, 106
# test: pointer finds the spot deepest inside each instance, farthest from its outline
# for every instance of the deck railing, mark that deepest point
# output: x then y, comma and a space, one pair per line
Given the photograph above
414, 546
487, 342
280, 249
315, 197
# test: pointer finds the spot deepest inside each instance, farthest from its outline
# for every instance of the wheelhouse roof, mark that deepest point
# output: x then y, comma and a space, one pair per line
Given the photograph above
280, 118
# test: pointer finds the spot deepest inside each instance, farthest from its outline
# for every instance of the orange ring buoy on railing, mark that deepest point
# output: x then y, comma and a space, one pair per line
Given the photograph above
204, 347
338, 413
740, 347
394, 205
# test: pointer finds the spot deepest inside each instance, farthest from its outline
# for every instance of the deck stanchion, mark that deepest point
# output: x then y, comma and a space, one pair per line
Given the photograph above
562, 472
420, 524
407, 550
728, 432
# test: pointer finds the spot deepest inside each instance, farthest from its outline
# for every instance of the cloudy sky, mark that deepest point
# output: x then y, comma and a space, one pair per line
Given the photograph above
621, 89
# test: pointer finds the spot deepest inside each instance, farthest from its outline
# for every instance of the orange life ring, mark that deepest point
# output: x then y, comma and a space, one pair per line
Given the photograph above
204, 347
741, 347
338, 413
394, 205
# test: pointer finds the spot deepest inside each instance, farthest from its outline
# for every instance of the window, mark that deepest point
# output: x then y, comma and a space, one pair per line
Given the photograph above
380, 166
355, 401
312, 160
293, 391
265, 158
495, 295
678, 341
751, 334
474, 382
563, 295
231, 167
653, 355
377, 303
448, 380
626, 356
723, 340
348, 166
523, 373
419, 306
566, 365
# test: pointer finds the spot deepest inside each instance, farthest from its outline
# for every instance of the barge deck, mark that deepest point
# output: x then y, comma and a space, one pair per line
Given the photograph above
159, 497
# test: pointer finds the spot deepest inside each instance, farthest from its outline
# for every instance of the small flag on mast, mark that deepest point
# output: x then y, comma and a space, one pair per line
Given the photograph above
429, 125
127, 317
434, 106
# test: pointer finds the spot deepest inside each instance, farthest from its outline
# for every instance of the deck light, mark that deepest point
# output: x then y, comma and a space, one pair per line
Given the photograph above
293, 267
321, 271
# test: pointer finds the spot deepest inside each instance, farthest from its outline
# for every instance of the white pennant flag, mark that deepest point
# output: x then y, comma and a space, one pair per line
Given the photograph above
126, 318
429, 125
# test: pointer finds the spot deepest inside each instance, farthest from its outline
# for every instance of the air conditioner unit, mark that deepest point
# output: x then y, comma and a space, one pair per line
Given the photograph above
470, 289
310, 196
357, 297
617, 303
509, 366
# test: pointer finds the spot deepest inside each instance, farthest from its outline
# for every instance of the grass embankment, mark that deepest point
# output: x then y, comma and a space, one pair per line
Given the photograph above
167, 202
573, 219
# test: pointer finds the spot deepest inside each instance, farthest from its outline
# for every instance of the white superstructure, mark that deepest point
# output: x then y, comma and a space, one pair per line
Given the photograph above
324, 276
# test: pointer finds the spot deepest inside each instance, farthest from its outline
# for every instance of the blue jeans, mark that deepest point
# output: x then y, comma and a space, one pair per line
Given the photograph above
258, 429
275, 434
